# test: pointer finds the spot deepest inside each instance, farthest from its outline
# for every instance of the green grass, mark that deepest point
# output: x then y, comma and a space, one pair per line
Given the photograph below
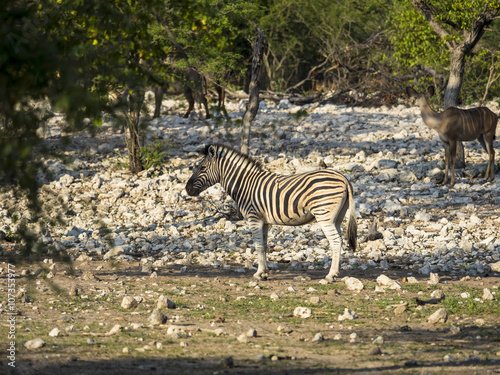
469, 306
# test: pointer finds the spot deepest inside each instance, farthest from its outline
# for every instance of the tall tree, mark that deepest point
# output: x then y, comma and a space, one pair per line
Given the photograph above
259, 47
460, 24
36, 77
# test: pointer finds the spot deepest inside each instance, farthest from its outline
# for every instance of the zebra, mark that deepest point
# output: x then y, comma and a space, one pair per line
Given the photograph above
265, 198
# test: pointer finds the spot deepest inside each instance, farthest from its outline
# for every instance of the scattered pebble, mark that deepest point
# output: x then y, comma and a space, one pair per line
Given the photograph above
354, 284
433, 279
164, 302
487, 295
54, 333
251, 332
318, 337
129, 302
34, 344
440, 316
348, 315
157, 317
385, 281
302, 312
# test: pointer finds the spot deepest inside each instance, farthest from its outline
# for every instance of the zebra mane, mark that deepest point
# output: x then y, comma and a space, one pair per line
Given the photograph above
250, 159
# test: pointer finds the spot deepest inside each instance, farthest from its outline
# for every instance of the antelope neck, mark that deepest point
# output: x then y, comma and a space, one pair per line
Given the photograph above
431, 118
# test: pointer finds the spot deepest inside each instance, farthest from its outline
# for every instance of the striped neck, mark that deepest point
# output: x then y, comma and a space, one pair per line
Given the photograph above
234, 168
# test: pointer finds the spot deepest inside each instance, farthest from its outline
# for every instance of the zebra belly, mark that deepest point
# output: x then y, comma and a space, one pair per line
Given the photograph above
295, 221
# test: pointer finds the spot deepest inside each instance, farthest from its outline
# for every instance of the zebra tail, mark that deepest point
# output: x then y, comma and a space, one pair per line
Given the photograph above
352, 227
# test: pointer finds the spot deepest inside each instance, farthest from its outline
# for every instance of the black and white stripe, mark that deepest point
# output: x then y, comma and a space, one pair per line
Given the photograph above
265, 198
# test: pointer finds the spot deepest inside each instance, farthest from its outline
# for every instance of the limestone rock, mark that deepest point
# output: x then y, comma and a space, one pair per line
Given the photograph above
440, 316
354, 284
302, 312
164, 302
348, 315
54, 333
34, 344
129, 302
386, 281
157, 317
495, 266
487, 295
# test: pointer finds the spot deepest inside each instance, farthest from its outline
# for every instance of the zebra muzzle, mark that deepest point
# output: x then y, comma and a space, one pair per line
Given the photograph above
191, 190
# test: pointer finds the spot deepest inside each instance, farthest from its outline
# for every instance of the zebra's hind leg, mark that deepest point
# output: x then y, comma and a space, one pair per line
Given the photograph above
260, 230
332, 233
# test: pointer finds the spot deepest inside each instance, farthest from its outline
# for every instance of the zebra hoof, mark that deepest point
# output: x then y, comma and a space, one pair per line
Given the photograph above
262, 276
330, 279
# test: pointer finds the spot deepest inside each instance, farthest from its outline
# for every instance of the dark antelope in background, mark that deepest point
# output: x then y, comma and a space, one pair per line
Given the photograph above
455, 125
194, 86
265, 198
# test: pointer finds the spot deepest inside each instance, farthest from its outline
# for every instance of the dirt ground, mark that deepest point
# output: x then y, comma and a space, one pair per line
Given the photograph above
216, 307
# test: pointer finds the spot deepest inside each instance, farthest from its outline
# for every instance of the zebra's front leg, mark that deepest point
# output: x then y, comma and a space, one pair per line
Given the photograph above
259, 230
332, 233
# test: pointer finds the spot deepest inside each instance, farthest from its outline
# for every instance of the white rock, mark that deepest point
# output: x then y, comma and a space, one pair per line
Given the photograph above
440, 316
487, 295
55, 332
378, 341
175, 330
348, 315
423, 216
354, 284
412, 280
129, 302
116, 329
34, 344
318, 337
302, 312
164, 302
284, 104
242, 338
115, 251
386, 281
434, 278
157, 317
495, 266
438, 293
251, 332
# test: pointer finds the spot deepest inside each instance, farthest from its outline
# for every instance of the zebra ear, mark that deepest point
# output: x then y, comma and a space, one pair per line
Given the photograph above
212, 151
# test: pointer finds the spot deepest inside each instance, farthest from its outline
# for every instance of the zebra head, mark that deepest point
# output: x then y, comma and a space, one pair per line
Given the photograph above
206, 173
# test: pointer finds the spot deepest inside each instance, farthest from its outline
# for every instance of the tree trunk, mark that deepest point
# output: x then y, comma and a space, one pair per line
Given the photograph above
457, 67
136, 100
253, 102
452, 93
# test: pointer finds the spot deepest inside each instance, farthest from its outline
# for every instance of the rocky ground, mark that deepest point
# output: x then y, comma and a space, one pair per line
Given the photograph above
429, 237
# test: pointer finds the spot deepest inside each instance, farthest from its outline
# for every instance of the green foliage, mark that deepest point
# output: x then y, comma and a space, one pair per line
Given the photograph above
303, 34
154, 154
417, 45
35, 76
300, 114
414, 41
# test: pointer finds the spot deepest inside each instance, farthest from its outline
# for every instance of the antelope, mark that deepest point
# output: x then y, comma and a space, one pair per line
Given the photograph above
454, 125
